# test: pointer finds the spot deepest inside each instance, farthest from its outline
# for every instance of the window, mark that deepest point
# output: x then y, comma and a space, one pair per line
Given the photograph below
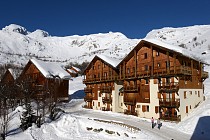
145, 55
98, 75
198, 93
138, 106
157, 53
190, 92
93, 67
195, 92
128, 70
158, 65
146, 67
104, 65
93, 103
121, 104
145, 108
98, 66
147, 81
98, 104
105, 74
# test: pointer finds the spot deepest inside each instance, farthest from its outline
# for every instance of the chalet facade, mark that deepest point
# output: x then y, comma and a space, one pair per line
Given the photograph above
49, 80
158, 80
102, 87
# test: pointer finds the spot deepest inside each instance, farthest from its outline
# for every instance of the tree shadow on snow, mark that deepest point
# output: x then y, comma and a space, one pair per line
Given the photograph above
80, 94
202, 129
14, 131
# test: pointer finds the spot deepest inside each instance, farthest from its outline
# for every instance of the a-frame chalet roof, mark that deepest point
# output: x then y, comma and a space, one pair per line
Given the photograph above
7, 73
165, 46
113, 62
49, 69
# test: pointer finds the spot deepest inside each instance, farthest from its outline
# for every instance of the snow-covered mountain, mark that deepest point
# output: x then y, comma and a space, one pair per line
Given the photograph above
17, 45
194, 38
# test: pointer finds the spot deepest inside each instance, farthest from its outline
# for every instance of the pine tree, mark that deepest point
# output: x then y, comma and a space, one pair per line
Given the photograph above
27, 117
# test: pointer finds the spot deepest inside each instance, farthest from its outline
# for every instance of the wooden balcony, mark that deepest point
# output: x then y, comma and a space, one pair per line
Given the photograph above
204, 75
129, 112
88, 98
168, 87
107, 100
100, 79
133, 89
106, 89
169, 103
88, 90
129, 100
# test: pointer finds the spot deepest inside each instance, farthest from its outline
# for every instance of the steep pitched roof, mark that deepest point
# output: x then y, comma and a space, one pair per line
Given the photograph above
51, 69
181, 51
113, 62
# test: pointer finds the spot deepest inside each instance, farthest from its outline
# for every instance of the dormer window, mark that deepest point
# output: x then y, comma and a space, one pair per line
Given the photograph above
145, 55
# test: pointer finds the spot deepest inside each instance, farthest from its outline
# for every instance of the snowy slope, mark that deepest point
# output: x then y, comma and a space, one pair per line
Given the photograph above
194, 38
17, 45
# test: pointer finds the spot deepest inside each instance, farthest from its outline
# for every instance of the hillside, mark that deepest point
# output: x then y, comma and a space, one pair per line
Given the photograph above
17, 45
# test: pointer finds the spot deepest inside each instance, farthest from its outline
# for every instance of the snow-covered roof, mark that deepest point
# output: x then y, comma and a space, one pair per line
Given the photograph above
178, 49
51, 69
77, 69
112, 61
71, 71
12, 72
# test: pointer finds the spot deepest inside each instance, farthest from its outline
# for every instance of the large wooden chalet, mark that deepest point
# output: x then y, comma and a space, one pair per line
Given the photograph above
46, 79
154, 80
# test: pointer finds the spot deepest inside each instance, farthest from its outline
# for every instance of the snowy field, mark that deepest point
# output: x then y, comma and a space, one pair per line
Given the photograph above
78, 123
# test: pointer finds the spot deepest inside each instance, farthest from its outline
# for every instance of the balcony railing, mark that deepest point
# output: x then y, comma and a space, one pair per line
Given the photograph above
204, 75
129, 112
169, 102
106, 89
106, 99
88, 98
131, 88
129, 100
88, 90
170, 87
100, 79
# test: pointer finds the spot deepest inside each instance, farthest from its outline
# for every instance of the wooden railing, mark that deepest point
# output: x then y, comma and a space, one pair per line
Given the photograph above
88, 98
100, 79
106, 89
132, 88
172, 86
169, 102
130, 100
204, 75
106, 99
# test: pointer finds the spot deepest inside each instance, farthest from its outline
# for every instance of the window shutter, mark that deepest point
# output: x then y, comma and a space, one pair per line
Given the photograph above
143, 108
155, 81
156, 109
186, 109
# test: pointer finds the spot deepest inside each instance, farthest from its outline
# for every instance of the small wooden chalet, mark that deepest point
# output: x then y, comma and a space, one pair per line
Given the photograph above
154, 80
8, 90
46, 80
101, 83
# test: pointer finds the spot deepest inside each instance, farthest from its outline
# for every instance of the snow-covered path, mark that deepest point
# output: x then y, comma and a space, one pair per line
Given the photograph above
145, 126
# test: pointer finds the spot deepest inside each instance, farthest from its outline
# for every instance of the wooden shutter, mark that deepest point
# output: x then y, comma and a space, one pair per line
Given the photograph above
185, 94
156, 109
186, 109
143, 108
159, 95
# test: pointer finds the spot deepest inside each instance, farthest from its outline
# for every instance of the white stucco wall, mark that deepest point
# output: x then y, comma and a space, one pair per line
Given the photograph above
154, 101
190, 100
116, 99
